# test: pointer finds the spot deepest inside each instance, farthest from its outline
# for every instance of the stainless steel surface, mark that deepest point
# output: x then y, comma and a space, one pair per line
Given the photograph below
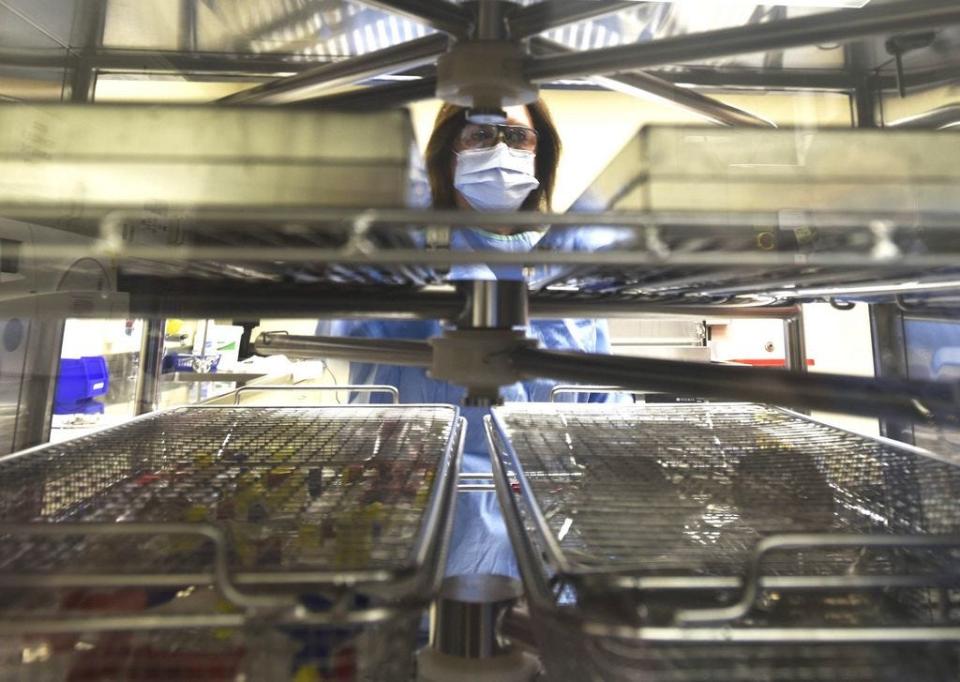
643, 84
465, 618
725, 496
901, 16
323, 79
178, 156
149, 367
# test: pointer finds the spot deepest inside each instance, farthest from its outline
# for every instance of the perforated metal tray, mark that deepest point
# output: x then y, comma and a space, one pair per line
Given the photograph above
338, 495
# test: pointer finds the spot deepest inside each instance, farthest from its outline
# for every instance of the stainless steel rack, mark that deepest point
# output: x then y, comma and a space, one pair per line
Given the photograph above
304, 525
729, 541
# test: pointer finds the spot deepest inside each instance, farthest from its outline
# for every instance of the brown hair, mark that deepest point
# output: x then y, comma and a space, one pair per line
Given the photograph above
450, 122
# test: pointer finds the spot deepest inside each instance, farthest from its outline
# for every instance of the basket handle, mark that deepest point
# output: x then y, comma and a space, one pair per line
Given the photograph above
391, 390
752, 580
573, 388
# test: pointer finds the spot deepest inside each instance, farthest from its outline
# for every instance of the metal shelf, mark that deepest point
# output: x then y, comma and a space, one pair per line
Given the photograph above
669, 258
661, 538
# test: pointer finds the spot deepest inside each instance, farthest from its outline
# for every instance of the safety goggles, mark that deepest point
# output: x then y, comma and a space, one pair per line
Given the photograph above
484, 136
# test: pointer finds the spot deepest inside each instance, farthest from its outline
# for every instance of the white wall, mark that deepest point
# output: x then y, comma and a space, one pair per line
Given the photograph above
841, 343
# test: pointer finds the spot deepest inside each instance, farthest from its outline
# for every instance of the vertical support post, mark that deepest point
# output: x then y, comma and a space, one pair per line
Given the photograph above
491, 23
148, 372
890, 360
865, 105
40, 370
87, 38
188, 25
794, 345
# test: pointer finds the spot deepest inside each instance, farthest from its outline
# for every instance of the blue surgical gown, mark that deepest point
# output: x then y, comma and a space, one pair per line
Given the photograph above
479, 542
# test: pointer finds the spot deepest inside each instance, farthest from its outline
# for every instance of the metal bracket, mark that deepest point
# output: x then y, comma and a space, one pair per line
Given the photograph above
476, 355
479, 360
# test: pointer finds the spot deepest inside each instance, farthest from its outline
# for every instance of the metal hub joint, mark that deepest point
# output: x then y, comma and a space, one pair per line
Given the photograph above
476, 354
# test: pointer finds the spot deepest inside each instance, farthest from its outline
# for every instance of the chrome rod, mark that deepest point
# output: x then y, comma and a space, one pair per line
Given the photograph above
640, 84
324, 78
900, 17
387, 351
937, 119
922, 400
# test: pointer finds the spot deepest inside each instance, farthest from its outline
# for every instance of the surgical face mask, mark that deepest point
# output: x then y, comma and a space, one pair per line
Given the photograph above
495, 179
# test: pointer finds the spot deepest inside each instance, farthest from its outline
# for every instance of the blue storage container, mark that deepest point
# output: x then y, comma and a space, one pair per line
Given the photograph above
80, 381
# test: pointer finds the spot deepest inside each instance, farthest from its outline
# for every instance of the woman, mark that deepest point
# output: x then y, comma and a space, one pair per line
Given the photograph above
484, 168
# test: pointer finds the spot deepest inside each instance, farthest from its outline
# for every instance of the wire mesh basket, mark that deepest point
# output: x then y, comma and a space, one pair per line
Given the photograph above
729, 542
223, 543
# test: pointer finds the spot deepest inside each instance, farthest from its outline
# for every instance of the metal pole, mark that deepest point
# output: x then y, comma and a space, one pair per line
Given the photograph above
381, 96
324, 78
546, 307
385, 351
926, 400
494, 305
890, 361
942, 117
638, 83
34, 409
148, 373
87, 37
794, 344
230, 299
490, 20
896, 17
188, 25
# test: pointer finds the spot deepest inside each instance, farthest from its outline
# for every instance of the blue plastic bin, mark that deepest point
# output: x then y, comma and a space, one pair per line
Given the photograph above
80, 381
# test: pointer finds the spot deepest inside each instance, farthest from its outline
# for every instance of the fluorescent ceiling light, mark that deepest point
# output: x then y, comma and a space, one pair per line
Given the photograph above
843, 4
396, 77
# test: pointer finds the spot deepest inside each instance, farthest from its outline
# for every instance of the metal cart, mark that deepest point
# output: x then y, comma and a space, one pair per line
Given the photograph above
241, 211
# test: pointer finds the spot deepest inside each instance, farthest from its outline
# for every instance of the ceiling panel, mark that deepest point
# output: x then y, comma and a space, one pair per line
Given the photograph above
19, 33
51, 18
